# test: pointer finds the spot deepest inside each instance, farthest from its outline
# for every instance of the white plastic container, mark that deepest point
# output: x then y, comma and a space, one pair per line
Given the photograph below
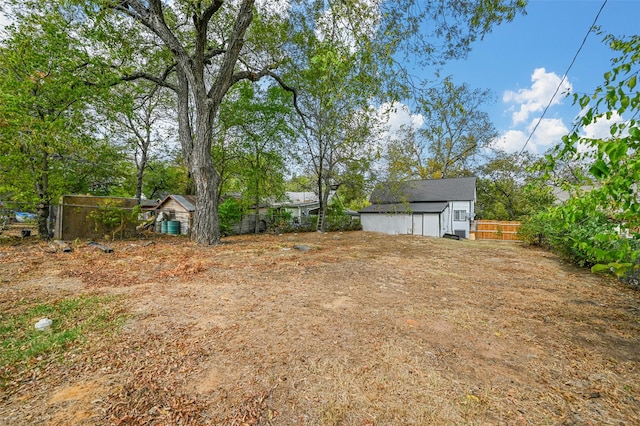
43, 324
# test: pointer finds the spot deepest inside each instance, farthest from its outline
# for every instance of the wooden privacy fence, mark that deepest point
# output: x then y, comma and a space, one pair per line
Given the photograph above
501, 230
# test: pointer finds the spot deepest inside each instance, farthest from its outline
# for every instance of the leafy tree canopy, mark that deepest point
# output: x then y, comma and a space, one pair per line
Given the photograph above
50, 142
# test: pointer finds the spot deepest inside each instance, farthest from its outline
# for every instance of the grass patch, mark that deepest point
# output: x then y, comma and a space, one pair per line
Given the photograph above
22, 346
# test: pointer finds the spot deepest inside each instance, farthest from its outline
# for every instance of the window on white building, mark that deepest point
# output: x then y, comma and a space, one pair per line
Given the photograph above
460, 215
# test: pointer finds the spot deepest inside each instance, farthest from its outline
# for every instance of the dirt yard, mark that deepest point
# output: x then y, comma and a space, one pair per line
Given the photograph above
330, 329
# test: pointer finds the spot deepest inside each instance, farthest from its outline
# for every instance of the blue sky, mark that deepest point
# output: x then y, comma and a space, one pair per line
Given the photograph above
522, 63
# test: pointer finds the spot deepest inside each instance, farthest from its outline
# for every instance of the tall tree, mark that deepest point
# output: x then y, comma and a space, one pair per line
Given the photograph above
454, 131
140, 118
337, 120
510, 188
165, 176
199, 50
406, 156
257, 123
455, 128
47, 80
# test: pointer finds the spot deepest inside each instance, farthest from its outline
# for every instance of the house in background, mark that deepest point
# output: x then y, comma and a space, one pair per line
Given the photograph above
432, 207
300, 205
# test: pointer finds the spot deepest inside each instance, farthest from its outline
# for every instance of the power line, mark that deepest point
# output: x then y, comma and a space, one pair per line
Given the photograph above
564, 77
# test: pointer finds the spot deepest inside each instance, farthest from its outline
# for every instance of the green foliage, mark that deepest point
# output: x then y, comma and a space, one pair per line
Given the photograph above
111, 217
341, 53
335, 138
280, 218
164, 177
455, 128
48, 81
253, 128
509, 187
602, 226
74, 319
581, 233
338, 220
230, 213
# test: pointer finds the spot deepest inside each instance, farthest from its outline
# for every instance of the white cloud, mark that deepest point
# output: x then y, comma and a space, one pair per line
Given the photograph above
549, 132
398, 115
535, 98
600, 129
510, 141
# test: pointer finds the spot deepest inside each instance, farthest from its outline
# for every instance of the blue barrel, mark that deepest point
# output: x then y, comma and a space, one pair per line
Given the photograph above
163, 227
173, 227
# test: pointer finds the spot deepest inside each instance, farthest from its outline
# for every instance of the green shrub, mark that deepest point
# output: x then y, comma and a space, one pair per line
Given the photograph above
582, 234
230, 214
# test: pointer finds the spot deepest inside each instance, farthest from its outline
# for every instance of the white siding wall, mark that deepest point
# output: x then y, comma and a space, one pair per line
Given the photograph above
445, 221
431, 225
461, 225
428, 224
386, 223
417, 224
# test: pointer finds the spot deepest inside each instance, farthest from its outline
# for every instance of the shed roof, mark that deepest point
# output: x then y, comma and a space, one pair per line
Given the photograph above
186, 201
429, 190
434, 207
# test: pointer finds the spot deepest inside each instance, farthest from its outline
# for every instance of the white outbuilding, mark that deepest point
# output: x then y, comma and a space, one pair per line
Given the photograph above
432, 207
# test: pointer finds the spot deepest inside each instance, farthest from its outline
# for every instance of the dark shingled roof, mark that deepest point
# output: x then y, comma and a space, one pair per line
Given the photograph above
406, 208
421, 191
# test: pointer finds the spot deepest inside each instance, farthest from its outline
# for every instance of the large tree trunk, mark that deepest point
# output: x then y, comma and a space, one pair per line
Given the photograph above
206, 224
197, 105
42, 189
206, 179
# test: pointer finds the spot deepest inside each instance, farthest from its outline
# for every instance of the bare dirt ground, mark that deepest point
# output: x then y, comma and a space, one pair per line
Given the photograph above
331, 329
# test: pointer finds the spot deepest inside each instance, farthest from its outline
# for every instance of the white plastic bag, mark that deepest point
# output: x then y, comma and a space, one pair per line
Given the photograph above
43, 324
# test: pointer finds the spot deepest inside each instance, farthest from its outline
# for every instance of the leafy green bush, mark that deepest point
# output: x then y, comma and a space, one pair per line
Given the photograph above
230, 214
342, 222
583, 234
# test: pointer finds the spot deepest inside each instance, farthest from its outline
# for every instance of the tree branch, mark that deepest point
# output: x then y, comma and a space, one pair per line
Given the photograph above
160, 81
224, 79
293, 91
210, 11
